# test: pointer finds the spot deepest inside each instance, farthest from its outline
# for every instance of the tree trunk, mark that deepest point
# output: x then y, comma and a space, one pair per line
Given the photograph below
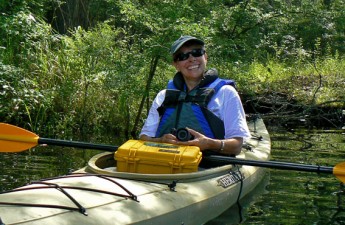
69, 15
153, 66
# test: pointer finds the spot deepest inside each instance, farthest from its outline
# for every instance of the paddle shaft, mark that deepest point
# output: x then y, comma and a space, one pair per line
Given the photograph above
271, 164
77, 144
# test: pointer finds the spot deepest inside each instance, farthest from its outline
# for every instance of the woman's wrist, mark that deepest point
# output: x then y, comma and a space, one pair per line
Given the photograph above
222, 145
215, 145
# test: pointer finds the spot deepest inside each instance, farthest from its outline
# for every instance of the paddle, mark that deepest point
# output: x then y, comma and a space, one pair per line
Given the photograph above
338, 170
16, 139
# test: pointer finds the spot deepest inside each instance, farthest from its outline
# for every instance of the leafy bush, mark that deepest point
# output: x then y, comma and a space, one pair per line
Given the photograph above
101, 77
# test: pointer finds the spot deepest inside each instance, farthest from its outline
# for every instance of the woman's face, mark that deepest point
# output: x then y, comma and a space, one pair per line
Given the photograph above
193, 67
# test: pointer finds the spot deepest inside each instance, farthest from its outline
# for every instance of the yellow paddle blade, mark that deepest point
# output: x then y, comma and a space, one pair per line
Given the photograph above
16, 139
339, 171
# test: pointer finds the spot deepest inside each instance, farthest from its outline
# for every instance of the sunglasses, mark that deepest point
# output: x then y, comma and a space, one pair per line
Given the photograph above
194, 53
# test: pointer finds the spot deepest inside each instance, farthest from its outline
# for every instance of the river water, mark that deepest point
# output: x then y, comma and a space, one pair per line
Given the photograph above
294, 197
283, 197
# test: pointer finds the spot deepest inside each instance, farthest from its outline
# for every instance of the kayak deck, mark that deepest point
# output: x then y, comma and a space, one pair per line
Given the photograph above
110, 197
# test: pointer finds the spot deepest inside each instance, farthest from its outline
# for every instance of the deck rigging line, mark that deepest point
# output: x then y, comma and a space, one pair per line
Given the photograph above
240, 177
79, 207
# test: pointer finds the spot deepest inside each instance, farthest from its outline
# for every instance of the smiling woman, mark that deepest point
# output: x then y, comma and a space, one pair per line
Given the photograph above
197, 99
192, 68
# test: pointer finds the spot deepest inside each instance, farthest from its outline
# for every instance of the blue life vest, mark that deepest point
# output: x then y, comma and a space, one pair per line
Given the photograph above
189, 109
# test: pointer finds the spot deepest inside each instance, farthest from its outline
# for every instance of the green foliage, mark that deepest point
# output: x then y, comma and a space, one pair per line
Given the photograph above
95, 78
22, 101
26, 42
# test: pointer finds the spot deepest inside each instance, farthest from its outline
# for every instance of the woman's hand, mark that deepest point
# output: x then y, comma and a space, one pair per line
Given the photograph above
232, 146
169, 138
199, 140
166, 138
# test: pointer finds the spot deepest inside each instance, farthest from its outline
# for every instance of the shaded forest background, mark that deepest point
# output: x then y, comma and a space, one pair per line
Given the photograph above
80, 68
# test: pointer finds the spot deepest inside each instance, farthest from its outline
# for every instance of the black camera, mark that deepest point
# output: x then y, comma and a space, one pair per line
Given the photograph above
182, 134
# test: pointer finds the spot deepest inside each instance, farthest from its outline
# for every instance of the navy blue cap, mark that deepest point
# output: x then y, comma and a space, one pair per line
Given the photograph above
182, 40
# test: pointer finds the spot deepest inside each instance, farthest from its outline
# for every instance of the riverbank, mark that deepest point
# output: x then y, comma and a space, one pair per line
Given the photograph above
280, 109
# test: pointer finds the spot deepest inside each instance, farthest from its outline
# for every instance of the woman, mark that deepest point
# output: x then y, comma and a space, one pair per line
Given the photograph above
207, 106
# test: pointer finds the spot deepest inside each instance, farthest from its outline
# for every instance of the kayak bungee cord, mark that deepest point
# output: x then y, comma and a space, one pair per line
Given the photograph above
131, 195
171, 185
79, 208
43, 206
240, 177
82, 210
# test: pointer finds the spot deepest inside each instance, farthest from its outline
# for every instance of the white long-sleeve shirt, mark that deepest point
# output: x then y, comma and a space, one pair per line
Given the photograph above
225, 104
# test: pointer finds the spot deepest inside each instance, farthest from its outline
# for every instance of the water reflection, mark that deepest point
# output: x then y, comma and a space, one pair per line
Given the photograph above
18, 169
293, 197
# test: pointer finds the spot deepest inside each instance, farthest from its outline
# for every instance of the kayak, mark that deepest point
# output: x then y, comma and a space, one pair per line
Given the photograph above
99, 194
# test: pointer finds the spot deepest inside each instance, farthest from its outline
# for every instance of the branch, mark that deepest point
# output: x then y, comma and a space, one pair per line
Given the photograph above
153, 67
